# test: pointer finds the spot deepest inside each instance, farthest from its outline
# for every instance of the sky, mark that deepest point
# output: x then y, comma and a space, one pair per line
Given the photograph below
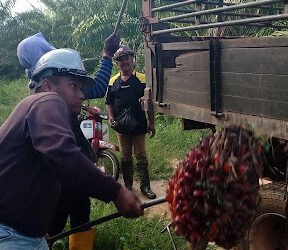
24, 5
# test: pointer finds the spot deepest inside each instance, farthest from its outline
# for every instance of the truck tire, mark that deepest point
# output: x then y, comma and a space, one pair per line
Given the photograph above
272, 201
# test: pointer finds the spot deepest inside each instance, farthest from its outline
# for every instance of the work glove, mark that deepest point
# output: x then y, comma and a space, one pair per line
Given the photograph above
111, 43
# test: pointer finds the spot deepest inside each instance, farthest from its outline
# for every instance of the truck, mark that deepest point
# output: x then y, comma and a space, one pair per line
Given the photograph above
207, 63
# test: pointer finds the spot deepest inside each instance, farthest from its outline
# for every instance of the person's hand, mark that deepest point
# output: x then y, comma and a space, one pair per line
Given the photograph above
47, 236
128, 204
111, 44
112, 121
151, 129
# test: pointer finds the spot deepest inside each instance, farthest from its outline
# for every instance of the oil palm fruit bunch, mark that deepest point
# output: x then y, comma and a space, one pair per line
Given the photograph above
213, 193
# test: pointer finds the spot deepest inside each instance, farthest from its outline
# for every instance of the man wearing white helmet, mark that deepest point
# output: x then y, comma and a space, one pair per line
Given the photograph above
71, 202
38, 153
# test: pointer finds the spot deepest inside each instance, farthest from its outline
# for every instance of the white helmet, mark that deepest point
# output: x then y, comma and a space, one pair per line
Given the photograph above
60, 62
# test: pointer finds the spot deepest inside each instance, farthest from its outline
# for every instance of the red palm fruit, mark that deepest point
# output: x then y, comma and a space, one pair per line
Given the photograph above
216, 157
214, 188
243, 168
198, 193
227, 167
194, 237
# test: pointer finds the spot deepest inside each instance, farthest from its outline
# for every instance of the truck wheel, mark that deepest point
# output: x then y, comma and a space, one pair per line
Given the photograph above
272, 201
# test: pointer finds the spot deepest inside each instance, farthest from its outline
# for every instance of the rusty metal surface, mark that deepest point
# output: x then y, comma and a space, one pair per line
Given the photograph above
268, 232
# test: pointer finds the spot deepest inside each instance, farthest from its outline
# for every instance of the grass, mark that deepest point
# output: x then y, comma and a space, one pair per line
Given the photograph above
169, 145
141, 233
11, 92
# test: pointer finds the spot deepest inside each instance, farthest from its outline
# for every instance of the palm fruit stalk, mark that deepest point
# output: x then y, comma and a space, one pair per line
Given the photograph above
213, 193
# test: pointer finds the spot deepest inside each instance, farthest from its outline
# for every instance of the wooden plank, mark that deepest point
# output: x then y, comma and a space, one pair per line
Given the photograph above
259, 86
195, 61
154, 89
193, 45
255, 42
187, 80
267, 126
148, 67
253, 106
192, 98
256, 60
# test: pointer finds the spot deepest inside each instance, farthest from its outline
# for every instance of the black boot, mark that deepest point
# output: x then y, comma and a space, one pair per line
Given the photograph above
127, 170
145, 180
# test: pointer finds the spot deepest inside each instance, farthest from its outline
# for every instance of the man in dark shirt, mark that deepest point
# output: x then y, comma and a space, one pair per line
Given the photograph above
38, 153
71, 203
123, 97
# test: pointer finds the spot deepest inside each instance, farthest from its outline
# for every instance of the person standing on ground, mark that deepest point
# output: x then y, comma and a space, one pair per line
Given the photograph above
71, 202
124, 92
38, 154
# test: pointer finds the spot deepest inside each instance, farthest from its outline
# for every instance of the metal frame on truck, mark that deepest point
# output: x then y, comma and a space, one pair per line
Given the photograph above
217, 79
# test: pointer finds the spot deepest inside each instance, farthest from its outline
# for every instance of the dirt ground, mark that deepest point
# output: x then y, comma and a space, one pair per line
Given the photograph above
159, 188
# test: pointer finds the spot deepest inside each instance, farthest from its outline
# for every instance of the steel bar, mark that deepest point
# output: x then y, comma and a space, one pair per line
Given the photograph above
171, 239
231, 3
228, 23
173, 5
167, 228
101, 220
234, 14
216, 3
218, 10
252, 24
179, 10
224, 14
267, 25
241, 14
120, 16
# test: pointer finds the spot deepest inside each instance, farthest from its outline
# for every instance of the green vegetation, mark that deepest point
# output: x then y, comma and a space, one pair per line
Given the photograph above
82, 25
10, 94
141, 233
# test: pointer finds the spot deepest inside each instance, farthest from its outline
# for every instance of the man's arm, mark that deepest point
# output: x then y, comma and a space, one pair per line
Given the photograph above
111, 115
53, 138
102, 77
151, 126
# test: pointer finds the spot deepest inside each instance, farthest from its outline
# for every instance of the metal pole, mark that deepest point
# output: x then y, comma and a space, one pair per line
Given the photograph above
167, 228
179, 10
174, 5
248, 24
120, 16
231, 3
228, 23
212, 11
101, 220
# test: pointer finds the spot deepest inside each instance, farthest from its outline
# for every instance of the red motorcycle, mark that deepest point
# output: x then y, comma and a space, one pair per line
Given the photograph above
98, 134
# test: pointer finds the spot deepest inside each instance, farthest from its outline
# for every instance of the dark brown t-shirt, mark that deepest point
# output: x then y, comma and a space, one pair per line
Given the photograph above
37, 154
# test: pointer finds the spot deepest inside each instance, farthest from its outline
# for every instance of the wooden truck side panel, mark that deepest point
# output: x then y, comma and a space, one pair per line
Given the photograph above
252, 82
